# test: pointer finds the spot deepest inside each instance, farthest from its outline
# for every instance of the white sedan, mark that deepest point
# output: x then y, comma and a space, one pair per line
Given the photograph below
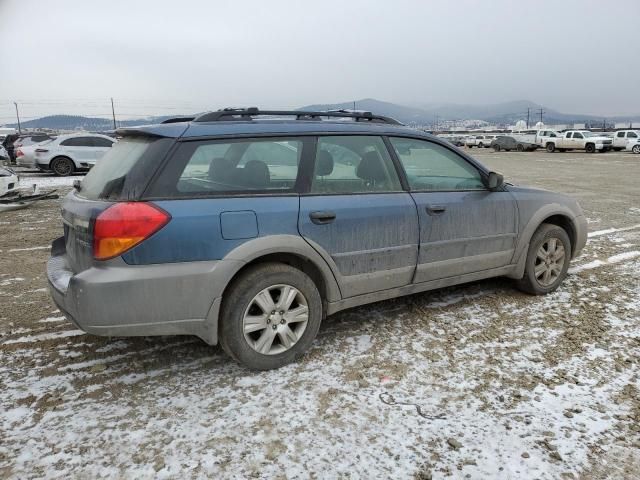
67, 154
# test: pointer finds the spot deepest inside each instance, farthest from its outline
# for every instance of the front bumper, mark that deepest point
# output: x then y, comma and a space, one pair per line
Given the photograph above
603, 147
125, 300
581, 234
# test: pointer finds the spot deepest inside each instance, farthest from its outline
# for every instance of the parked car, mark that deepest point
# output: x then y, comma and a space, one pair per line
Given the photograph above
579, 140
69, 153
8, 181
633, 146
545, 136
623, 137
31, 139
480, 141
509, 143
250, 231
26, 156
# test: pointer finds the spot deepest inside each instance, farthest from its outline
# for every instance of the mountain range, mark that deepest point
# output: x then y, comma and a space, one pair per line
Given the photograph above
427, 114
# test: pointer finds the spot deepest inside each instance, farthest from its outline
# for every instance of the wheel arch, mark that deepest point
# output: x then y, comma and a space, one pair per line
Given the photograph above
291, 250
555, 214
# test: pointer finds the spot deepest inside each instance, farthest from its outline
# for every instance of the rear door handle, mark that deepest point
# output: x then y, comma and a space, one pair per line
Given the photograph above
436, 209
322, 217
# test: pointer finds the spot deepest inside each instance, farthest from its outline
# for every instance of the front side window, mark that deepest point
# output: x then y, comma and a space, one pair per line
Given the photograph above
236, 166
620, 135
577, 135
432, 167
353, 164
632, 135
568, 135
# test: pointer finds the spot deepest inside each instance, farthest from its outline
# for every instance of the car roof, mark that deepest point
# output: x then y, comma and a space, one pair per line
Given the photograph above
193, 129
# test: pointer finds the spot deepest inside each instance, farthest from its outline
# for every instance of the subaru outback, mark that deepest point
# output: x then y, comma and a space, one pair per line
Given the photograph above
249, 227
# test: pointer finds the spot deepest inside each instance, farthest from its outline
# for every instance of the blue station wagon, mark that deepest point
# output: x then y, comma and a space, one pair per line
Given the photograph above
249, 227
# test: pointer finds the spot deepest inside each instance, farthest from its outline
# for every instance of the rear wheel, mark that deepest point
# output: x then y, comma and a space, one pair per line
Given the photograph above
270, 316
636, 149
496, 148
62, 166
547, 260
551, 147
520, 147
590, 148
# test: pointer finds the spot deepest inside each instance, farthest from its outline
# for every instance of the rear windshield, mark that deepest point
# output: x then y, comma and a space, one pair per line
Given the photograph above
123, 172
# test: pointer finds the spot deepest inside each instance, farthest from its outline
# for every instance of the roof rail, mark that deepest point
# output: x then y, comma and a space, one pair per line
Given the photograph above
178, 119
244, 114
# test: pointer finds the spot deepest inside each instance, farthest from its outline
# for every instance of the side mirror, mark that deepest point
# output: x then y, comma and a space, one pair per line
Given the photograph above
495, 180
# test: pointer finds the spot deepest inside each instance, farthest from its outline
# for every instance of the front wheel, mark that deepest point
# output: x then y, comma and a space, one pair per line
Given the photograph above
636, 149
547, 260
551, 147
590, 148
270, 316
496, 148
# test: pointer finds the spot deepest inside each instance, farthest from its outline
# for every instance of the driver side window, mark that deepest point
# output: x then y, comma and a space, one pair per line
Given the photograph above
432, 167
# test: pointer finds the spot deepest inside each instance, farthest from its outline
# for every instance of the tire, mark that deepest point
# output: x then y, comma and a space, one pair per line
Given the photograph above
62, 166
481, 145
636, 149
551, 147
543, 276
520, 147
248, 296
590, 148
470, 146
496, 148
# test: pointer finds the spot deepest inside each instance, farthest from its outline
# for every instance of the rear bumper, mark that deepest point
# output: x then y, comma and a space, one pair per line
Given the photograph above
124, 300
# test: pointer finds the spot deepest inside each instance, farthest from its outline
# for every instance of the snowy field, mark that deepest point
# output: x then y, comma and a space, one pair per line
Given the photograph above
475, 381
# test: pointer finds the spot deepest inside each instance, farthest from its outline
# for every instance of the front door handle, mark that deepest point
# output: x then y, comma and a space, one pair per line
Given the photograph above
322, 217
436, 209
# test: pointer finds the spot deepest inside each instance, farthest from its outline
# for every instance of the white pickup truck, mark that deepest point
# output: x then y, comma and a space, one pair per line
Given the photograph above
578, 140
480, 141
624, 137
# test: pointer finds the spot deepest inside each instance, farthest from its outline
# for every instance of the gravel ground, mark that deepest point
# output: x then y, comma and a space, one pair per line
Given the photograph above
476, 381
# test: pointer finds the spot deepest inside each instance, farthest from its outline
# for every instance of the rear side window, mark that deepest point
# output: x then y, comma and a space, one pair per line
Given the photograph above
123, 172
620, 135
353, 164
77, 142
265, 164
632, 135
432, 167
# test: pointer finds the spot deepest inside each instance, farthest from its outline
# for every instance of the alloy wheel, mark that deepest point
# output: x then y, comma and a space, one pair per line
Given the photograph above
549, 262
275, 319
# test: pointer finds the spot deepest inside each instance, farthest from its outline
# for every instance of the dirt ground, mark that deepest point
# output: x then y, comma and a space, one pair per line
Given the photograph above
475, 381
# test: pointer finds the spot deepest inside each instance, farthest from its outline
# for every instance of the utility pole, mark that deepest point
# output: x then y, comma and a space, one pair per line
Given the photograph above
18, 117
436, 129
541, 112
354, 105
528, 111
113, 112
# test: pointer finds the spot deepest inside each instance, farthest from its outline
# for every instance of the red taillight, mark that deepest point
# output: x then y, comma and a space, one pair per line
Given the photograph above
123, 226
19, 153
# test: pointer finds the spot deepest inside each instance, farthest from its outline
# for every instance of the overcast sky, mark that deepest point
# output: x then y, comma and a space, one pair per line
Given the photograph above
168, 56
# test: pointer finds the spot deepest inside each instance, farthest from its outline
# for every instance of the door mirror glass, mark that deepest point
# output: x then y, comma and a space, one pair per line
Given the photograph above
494, 180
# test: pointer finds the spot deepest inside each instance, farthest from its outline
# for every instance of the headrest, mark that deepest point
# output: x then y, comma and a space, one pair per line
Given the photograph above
371, 168
324, 163
256, 174
220, 169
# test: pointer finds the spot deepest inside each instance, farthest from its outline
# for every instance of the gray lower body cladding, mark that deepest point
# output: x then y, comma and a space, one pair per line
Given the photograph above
167, 299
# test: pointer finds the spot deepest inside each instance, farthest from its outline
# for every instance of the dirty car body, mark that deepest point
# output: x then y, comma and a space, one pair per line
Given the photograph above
352, 212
